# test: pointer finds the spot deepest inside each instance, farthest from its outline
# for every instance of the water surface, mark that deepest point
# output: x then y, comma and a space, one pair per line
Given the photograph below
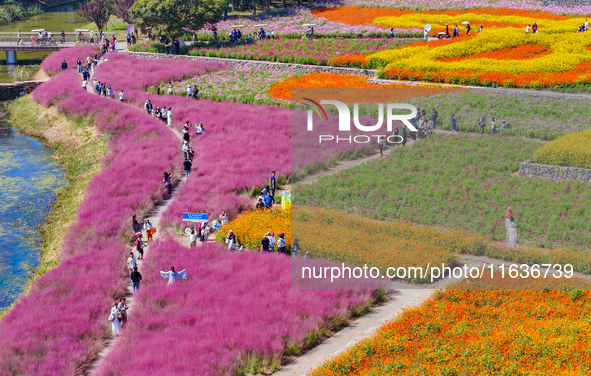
29, 182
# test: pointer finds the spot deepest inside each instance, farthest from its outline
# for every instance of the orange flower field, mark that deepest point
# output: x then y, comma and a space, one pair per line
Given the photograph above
478, 332
522, 52
283, 89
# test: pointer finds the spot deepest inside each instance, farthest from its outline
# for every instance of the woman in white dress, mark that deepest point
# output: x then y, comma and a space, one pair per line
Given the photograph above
114, 319
512, 235
174, 276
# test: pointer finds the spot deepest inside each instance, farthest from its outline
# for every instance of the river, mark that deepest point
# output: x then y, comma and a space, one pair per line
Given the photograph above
55, 19
29, 182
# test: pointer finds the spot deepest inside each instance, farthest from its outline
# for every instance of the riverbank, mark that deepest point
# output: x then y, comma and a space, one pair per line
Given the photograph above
79, 153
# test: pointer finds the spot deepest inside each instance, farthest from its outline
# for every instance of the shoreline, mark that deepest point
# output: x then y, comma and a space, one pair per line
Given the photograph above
78, 151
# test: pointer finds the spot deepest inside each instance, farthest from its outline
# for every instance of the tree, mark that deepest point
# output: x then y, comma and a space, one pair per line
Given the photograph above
97, 11
122, 9
170, 17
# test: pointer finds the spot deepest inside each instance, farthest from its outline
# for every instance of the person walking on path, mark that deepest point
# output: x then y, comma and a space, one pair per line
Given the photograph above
173, 276
135, 225
114, 319
167, 183
231, 241
381, 143
149, 230
187, 167
223, 218
453, 122
482, 123
169, 117
493, 127
273, 183
123, 309
295, 248
139, 245
192, 238
121, 96
204, 232
512, 235
136, 277
131, 262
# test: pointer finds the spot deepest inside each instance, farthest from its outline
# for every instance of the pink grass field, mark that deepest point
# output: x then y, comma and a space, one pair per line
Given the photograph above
53, 63
61, 324
232, 306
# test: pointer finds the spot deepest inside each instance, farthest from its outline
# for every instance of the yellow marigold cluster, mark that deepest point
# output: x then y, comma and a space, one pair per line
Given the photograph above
568, 50
573, 149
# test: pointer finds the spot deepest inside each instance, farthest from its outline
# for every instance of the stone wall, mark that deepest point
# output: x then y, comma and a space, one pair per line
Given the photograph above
567, 3
535, 170
13, 90
255, 63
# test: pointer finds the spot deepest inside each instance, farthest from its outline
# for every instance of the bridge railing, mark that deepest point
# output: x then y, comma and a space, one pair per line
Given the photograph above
12, 39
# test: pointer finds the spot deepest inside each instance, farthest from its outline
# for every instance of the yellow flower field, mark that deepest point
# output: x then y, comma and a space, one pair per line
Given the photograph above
573, 149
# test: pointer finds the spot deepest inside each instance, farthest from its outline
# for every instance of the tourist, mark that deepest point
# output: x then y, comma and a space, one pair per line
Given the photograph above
306, 255
123, 308
173, 276
447, 31
64, 65
434, 114
192, 238
456, 31
265, 244
392, 34
223, 218
512, 235
63, 37
534, 28
131, 262
381, 144
586, 25
79, 65
260, 204
150, 230
84, 84
504, 125
272, 241
269, 200
121, 96
170, 88
482, 123
281, 244
295, 248
135, 225
189, 91
403, 136
167, 183
111, 92
19, 35
204, 232
187, 167
273, 183
480, 29
185, 149
185, 132
527, 29
169, 117
114, 319
148, 106
139, 245
163, 115
508, 217
453, 123
431, 124
231, 240
136, 277
199, 128
493, 128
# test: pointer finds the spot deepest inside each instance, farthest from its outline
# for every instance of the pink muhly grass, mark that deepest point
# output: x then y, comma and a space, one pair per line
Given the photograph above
127, 72
60, 325
53, 63
232, 305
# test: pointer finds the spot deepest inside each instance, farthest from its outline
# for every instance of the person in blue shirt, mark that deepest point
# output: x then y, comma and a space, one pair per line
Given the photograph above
269, 200
453, 122
64, 65
273, 183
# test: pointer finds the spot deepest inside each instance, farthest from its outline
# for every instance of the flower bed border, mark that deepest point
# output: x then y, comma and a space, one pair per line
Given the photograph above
537, 170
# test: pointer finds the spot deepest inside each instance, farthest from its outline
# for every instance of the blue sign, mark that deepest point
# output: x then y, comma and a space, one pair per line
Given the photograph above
194, 217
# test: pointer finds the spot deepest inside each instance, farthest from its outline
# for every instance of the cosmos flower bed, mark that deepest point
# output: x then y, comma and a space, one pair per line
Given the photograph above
60, 325
479, 168
534, 331
235, 313
572, 150
304, 51
288, 23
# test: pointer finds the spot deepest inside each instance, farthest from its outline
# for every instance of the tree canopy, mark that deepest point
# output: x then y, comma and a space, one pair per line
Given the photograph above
97, 11
170, 17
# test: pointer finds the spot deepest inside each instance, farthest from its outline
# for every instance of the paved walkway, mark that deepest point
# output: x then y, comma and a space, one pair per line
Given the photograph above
154, 218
